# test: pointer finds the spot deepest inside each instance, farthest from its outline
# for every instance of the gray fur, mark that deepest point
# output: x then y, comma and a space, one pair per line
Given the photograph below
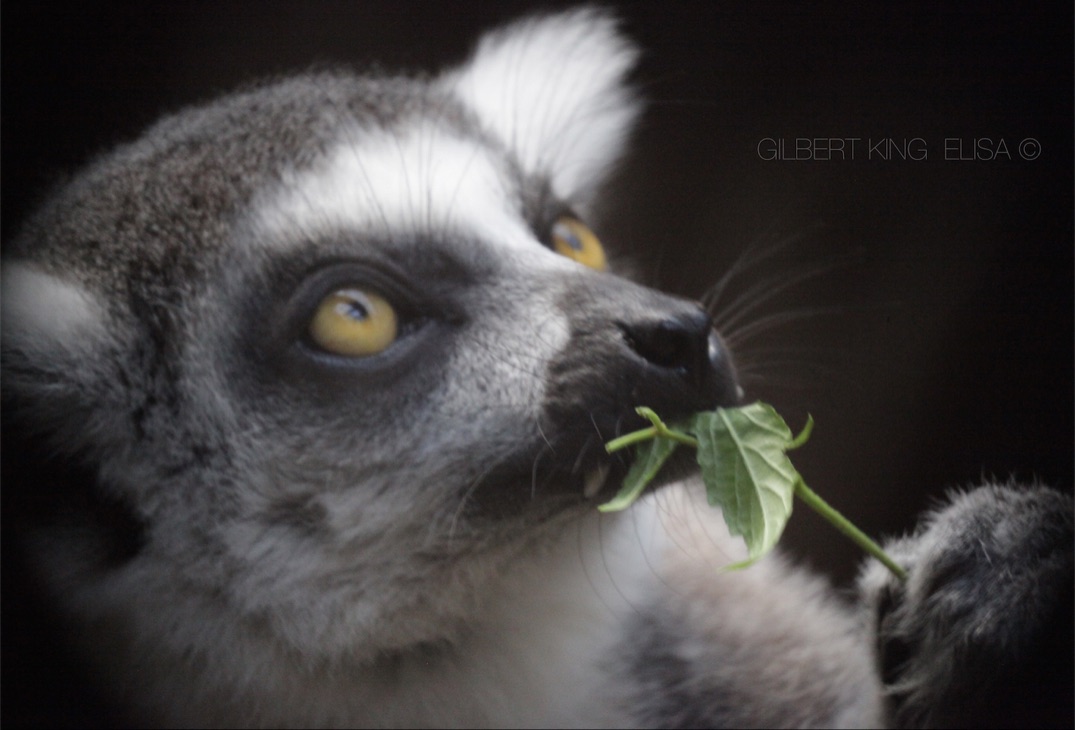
254, 532
991, 591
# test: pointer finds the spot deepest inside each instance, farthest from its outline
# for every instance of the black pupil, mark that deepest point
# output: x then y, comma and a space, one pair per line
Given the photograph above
356, 310
570, 238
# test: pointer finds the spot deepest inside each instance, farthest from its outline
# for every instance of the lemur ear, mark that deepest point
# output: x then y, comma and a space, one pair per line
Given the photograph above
552, 89
54, 332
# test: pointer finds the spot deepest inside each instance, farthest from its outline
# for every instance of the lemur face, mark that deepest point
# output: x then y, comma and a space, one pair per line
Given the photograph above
340, 345
440, 306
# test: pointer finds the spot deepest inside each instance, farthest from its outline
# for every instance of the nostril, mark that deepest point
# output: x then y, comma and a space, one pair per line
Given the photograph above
685, 346
680, 342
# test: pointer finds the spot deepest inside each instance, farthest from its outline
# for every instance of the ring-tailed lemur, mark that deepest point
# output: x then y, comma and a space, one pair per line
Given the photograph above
332, 361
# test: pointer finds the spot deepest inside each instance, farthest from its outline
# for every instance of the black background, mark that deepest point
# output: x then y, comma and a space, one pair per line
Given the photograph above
928, 321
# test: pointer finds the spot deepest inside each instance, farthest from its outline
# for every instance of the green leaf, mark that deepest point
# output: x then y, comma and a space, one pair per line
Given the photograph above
649, 458
746, 472
741, 452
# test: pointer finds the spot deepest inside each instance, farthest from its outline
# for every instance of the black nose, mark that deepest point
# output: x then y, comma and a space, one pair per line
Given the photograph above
686, 346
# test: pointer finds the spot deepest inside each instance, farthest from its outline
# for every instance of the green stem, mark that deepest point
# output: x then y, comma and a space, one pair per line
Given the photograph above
629, 439
657, 429
803, 436
841, 523
683, 438
803, 492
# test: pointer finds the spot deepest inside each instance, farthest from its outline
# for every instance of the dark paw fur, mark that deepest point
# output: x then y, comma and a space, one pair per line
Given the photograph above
980, 635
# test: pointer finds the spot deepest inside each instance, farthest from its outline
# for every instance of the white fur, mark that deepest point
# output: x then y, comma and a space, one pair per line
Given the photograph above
534, 655
43, 315
386, 183
552, 91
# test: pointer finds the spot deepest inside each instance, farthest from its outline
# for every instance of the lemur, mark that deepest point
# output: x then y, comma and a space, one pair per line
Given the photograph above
329, 364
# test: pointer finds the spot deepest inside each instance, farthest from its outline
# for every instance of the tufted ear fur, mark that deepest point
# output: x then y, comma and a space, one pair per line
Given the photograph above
552, 89
54, 335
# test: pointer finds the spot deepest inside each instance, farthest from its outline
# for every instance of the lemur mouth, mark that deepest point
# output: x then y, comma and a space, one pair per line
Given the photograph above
588, 472
565, 469
594, 480
559, 470
600, 482
674, 363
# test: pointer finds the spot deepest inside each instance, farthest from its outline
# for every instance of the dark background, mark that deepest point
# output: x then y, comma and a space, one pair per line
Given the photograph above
920, 310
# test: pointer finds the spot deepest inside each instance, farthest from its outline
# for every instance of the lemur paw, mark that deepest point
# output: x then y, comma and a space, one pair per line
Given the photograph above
980, 634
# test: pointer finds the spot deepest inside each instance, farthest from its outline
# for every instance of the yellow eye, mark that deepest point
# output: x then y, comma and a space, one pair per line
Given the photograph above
571, 238
354, 323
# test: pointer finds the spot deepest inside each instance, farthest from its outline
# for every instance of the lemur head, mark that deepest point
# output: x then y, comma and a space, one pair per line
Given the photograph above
340, 346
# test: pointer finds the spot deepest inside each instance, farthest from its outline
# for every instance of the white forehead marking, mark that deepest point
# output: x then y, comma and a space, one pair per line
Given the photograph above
418, 179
